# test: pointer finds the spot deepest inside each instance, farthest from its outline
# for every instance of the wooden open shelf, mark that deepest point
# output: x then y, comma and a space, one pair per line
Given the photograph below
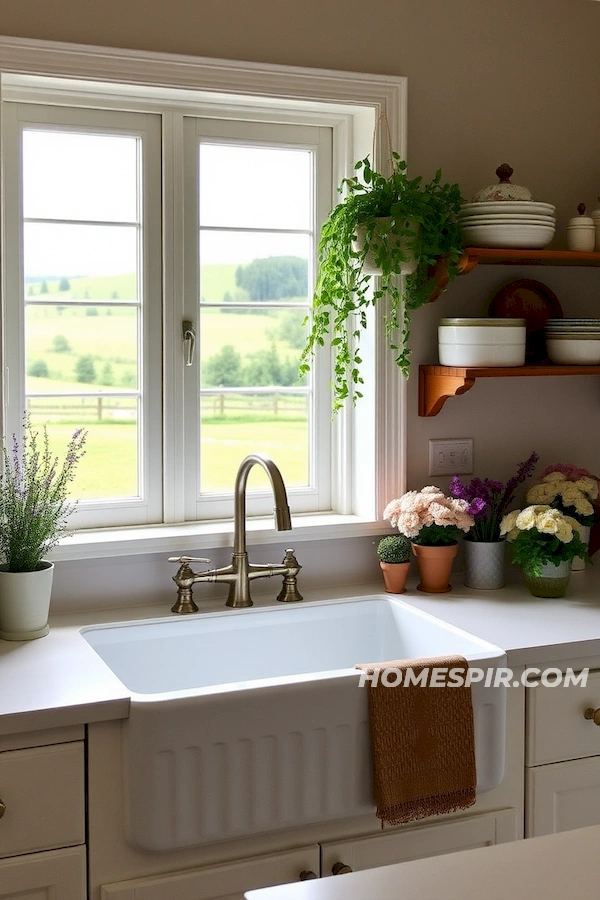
474, 256
437, 383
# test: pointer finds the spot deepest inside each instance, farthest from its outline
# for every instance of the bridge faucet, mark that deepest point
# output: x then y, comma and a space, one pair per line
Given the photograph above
241, 572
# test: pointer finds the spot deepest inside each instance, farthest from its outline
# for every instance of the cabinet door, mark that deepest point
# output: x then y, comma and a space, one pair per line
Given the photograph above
415, 842
54, 875
228, 881
563, 796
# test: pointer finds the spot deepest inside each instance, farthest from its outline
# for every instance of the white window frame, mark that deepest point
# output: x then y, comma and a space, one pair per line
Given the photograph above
368, 472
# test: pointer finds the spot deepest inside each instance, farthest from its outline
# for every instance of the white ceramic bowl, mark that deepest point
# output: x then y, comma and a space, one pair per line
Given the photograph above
529, 207
574, 351
481, 342
507, 220
532, 237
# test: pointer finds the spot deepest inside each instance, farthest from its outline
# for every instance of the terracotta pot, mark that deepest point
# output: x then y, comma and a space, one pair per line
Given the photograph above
435, 566
394, 576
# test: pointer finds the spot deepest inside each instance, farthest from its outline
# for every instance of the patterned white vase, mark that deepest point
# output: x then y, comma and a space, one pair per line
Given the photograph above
484, 564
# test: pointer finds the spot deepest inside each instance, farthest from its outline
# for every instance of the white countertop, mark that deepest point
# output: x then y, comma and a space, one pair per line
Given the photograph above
59, 680
555, 867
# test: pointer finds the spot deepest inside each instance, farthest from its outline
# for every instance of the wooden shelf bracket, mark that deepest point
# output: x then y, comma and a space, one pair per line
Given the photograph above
437, 384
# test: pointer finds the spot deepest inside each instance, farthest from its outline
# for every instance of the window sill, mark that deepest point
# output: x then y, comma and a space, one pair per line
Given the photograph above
182, 538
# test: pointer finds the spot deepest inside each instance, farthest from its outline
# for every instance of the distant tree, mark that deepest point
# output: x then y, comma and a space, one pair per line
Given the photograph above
289, 328
129, 378
44, 287
274, 278
60, 344
223, 369
38, 369
64, 285
107, 377
114, 295
30, 291
85, 370
91, 311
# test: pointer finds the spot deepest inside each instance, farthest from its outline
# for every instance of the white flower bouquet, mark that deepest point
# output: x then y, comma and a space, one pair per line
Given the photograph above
541, 534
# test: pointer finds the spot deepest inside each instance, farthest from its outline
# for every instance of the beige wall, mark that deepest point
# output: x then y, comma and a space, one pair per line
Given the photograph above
517, 82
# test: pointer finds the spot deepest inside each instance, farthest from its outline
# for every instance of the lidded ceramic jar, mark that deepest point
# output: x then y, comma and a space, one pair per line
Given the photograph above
595, 215
504, 190
581, 231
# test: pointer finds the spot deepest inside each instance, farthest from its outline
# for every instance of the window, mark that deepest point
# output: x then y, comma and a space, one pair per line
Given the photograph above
159, 259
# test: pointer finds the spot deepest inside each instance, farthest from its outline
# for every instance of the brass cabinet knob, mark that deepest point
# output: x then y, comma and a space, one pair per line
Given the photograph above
2, 808
307, 875
593, 714
340, 868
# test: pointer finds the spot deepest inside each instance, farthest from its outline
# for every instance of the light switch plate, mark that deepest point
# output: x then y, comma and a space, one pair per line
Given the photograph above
451, 457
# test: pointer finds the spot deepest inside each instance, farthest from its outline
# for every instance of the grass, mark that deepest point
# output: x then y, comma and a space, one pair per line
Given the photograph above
223, 447
110, 339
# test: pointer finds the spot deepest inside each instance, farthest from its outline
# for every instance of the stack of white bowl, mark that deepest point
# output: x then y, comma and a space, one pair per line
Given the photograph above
574, 342
481, 341
523, 224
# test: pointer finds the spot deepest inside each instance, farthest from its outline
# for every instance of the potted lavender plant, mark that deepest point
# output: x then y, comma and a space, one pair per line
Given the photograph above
484, 545
33, 517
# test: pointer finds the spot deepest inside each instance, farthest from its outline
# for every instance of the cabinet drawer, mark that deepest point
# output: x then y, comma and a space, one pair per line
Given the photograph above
556, 727
42, 790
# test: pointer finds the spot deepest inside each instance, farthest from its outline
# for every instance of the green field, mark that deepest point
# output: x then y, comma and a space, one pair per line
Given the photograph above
59, 336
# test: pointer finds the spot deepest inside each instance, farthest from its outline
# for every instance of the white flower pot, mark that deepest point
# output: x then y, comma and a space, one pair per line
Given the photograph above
578, 564
25, 603
405, 244
484, 564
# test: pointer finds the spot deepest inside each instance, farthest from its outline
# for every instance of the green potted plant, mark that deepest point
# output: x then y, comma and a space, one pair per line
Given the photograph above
544, 542
433, 523
402, 227
394, 554
33, 517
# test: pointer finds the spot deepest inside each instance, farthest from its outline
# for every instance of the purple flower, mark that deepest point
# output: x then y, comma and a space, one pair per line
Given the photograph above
490, 499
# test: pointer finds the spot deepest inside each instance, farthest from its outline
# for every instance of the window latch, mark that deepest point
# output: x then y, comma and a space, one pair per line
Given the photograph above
189, 341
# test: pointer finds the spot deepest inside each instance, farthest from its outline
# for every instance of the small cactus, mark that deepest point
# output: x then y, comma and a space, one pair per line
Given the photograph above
394, 548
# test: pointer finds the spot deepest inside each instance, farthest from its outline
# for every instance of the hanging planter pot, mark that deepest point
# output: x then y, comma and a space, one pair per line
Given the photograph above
382, 242
25, 603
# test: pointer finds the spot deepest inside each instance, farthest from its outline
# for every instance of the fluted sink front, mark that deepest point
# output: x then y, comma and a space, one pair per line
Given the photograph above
246, 721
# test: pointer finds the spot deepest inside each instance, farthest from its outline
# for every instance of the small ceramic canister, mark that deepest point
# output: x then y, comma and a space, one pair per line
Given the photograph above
581, 231
596, 217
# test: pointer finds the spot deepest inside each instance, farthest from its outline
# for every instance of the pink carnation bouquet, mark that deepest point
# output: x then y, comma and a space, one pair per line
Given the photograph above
429, 518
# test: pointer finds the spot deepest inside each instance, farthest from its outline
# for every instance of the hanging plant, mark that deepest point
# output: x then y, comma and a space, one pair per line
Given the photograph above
398, 225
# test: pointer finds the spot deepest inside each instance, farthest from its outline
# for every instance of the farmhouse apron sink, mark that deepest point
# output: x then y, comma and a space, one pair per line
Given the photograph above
252, 720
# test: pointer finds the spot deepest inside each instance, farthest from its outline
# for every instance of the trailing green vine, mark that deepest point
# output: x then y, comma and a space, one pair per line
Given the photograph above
419, 223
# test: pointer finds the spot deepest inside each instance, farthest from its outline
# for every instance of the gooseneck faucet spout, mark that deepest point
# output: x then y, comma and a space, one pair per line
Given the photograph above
281, 510
241, 572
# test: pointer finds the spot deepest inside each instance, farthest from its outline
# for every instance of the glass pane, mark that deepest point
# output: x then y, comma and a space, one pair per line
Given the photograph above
234, 425
67, 175
252, 349
255, 187
84, 350
242, 267
95, 262
109, 469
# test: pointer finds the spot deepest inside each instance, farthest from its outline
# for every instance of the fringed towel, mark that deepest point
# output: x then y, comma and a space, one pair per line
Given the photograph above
422, 739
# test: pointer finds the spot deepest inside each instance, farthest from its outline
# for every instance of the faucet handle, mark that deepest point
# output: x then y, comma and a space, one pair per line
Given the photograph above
187, 559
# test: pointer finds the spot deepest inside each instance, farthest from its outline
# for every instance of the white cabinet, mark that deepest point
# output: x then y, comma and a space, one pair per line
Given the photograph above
223, 882
42, 821
563, 758
53, 875
405, 843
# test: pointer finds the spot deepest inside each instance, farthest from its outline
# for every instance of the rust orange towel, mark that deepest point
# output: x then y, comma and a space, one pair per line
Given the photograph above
422, 741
